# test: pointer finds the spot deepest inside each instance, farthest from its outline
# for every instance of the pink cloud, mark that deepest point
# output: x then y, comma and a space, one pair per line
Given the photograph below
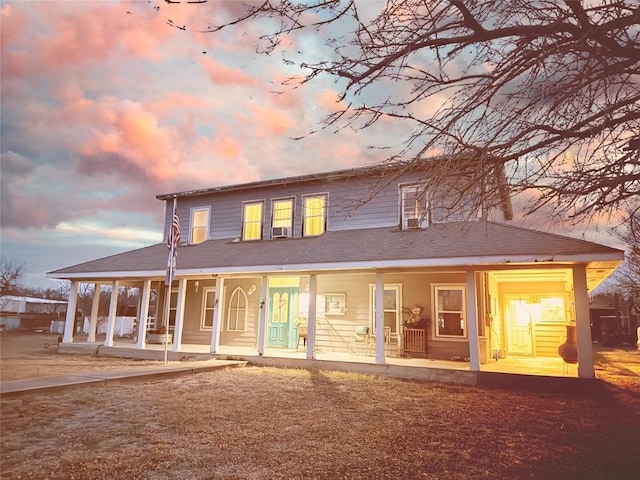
224, 145
270, 121
328, 99
124, 137
142, 44
173, 102
78, 33
13, 22
220, 74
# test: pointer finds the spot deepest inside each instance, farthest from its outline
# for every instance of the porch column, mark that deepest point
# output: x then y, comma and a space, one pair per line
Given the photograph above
311, 316
136, 328
379, 320
217, 307
471, 323
262, 318
70, 320
143, 313
95, 303
177, 331
111, 323
583, 323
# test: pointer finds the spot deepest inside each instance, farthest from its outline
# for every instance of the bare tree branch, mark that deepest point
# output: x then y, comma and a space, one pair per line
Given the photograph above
10, 276
545, 91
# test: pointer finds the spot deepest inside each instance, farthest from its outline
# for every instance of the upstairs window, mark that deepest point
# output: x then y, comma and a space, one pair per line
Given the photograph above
199, 225
252, 221
414, 206
315, 215
282, 221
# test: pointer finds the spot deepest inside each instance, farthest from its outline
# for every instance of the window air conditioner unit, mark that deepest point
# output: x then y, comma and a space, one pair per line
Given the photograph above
413, 223
280, 232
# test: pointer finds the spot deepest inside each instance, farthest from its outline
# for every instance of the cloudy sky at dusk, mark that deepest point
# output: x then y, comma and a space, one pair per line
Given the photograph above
104, 106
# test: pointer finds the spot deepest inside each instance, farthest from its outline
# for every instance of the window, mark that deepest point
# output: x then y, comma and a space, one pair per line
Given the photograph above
450, 311
173, 307
237, 312
315, 215
208, 306
552, 310
199, 226
414, 208
391, 308
282, 221
252, 221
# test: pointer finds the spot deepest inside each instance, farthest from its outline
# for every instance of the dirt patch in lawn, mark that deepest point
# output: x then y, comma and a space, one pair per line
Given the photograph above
33, 355
267, 423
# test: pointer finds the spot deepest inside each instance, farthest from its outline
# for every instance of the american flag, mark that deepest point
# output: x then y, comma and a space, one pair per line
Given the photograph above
174, 232
172, 242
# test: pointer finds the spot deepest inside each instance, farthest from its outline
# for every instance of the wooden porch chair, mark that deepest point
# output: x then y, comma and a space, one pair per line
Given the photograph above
391, 341
360, 335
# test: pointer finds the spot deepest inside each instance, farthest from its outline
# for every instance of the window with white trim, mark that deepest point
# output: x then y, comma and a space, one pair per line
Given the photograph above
414, 206
315, 215
237, 311
252, 220
173, 307
391, 306
199, 225
450, 311
208, 306
281, 218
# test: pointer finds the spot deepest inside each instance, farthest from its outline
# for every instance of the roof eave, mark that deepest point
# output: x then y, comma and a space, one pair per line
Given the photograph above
615, 258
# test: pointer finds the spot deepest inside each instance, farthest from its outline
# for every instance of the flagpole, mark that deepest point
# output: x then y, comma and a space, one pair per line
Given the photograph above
169, 282
166, 316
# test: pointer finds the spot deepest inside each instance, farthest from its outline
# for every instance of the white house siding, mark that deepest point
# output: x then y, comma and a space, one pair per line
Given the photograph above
417, 289
344, 196
247, 338
334, 332
346, 207
192, 331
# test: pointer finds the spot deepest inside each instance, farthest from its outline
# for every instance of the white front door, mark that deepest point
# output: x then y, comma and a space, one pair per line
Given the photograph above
518, 315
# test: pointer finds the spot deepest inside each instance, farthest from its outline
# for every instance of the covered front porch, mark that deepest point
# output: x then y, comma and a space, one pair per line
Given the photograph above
458, 320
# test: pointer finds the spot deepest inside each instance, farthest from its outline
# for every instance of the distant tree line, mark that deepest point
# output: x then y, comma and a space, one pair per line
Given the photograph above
11, 278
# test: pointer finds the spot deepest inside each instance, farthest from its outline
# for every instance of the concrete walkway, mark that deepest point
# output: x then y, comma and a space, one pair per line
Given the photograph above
46, 384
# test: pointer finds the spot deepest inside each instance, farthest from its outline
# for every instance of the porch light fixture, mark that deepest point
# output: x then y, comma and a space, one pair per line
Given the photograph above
197, 284
252, 290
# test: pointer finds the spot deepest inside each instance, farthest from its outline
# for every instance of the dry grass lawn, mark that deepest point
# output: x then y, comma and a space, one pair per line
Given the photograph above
266, 423
24, 356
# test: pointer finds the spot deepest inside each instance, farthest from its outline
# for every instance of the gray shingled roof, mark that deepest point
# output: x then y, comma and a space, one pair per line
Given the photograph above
440, 244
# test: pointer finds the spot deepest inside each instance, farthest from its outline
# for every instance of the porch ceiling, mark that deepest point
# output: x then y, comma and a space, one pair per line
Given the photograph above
542, 275
596, 272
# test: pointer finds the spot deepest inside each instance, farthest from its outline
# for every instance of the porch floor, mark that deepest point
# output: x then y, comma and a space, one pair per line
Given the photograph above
523, 365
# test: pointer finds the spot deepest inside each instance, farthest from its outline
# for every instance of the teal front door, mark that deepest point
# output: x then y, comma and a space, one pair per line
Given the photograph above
280, 318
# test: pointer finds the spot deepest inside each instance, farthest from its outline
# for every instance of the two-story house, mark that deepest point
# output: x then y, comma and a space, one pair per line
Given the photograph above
364, 261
